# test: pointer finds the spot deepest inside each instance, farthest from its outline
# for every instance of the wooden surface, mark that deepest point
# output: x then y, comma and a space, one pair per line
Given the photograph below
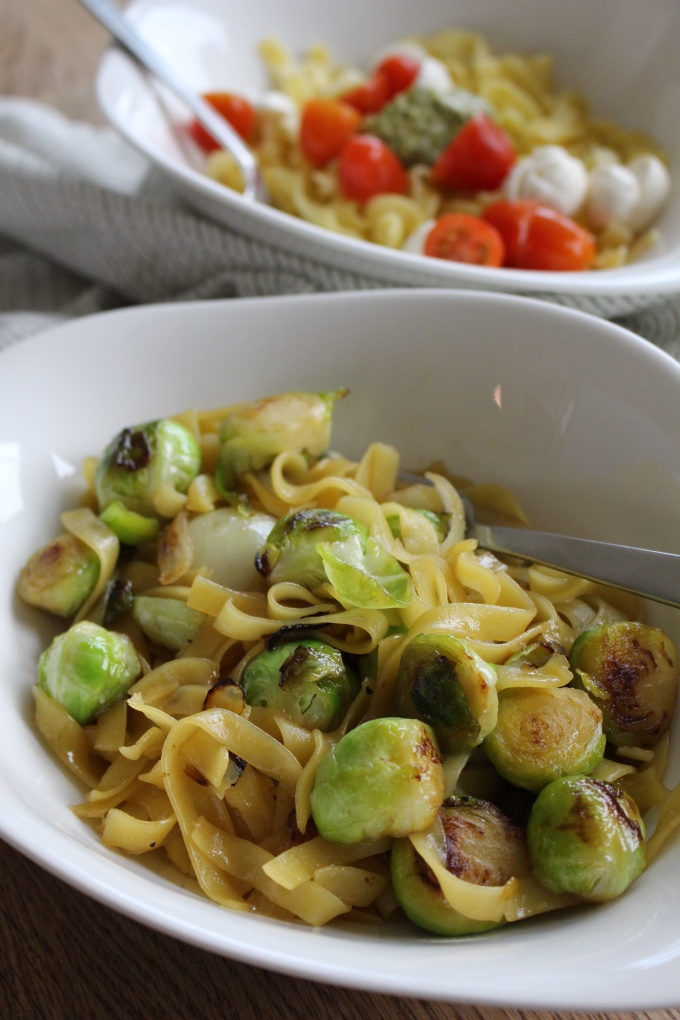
62, 956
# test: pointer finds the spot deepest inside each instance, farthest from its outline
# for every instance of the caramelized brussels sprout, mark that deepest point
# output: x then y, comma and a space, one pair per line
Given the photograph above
482, 846
585, 837
630, 670
290, 552
384, 778
167, 622
307, 680
226, 542
443, 681
252, 435
141, 460
87, 669
543, 734
60, 577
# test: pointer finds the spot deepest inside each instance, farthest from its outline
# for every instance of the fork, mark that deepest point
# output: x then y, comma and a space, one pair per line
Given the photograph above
106, 12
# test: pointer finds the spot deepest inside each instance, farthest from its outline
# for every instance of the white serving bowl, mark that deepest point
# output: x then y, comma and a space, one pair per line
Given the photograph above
579, 417
620, 54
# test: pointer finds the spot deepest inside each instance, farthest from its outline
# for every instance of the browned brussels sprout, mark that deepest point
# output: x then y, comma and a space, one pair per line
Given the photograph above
630, 670
482, 847
60, 577
543, 734
586, 838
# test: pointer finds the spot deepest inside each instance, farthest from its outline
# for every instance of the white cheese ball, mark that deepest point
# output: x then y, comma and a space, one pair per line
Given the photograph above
549, 175
613, 193
655, 186
281, 107
434, 75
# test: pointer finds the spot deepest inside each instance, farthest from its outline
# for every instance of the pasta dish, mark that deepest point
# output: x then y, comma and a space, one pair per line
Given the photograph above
290, 676
446, 148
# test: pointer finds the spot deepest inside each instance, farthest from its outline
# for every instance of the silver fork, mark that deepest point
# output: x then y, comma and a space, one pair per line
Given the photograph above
106, 12
654, 575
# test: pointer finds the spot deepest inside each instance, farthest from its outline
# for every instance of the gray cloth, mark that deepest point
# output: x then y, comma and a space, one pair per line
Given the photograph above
86, 225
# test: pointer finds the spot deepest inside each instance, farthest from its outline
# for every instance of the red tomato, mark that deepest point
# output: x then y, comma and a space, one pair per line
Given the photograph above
368, 167
462, 238
478, 158
538, 237
400, 70
371, 96
238, 111
325, 126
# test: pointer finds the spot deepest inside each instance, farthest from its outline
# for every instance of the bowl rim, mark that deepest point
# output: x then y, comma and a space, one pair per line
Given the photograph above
114, 886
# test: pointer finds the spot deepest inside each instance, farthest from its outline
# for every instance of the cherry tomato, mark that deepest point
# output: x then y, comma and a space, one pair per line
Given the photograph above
238, 111
371, 96
400, 70
477, 159
538, 237
325, 126
368, 167
462, 238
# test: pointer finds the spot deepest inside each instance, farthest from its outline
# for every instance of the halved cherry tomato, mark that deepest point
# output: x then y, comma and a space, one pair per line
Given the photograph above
462, 238
538, 237
368, 167
400, 70
371, 96
477, 159
238, 111
325, 126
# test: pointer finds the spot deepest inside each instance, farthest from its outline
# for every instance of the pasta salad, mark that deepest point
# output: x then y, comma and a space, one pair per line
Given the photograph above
446, 148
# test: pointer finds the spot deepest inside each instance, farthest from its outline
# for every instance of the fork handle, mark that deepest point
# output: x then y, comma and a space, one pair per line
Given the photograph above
654, 575
129, 38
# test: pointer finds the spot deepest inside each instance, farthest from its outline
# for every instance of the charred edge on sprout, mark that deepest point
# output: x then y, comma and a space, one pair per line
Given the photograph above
303, 520
238, 763
426, 752
132, 451
458, 826
580, 813
118, 599
291, 630
294, 665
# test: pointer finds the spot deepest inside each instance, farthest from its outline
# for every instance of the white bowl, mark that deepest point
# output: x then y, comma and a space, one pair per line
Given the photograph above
621, 56
579, 417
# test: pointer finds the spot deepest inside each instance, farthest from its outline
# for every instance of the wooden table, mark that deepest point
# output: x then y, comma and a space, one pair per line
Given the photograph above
62, 956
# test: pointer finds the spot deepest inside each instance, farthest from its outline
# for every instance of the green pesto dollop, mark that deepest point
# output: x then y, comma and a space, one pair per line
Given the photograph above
419, 123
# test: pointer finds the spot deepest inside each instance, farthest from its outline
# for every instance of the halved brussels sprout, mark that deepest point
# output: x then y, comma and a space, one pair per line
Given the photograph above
290, 552
60, 577
443, 681
308, 680
543, 734
585, 837
167, 622
631, 671
252, 435
141, 460
87, 669
226, 542
482, 847
384, 778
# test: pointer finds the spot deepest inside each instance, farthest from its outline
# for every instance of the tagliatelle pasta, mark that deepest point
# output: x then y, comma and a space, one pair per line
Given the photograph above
195, 766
